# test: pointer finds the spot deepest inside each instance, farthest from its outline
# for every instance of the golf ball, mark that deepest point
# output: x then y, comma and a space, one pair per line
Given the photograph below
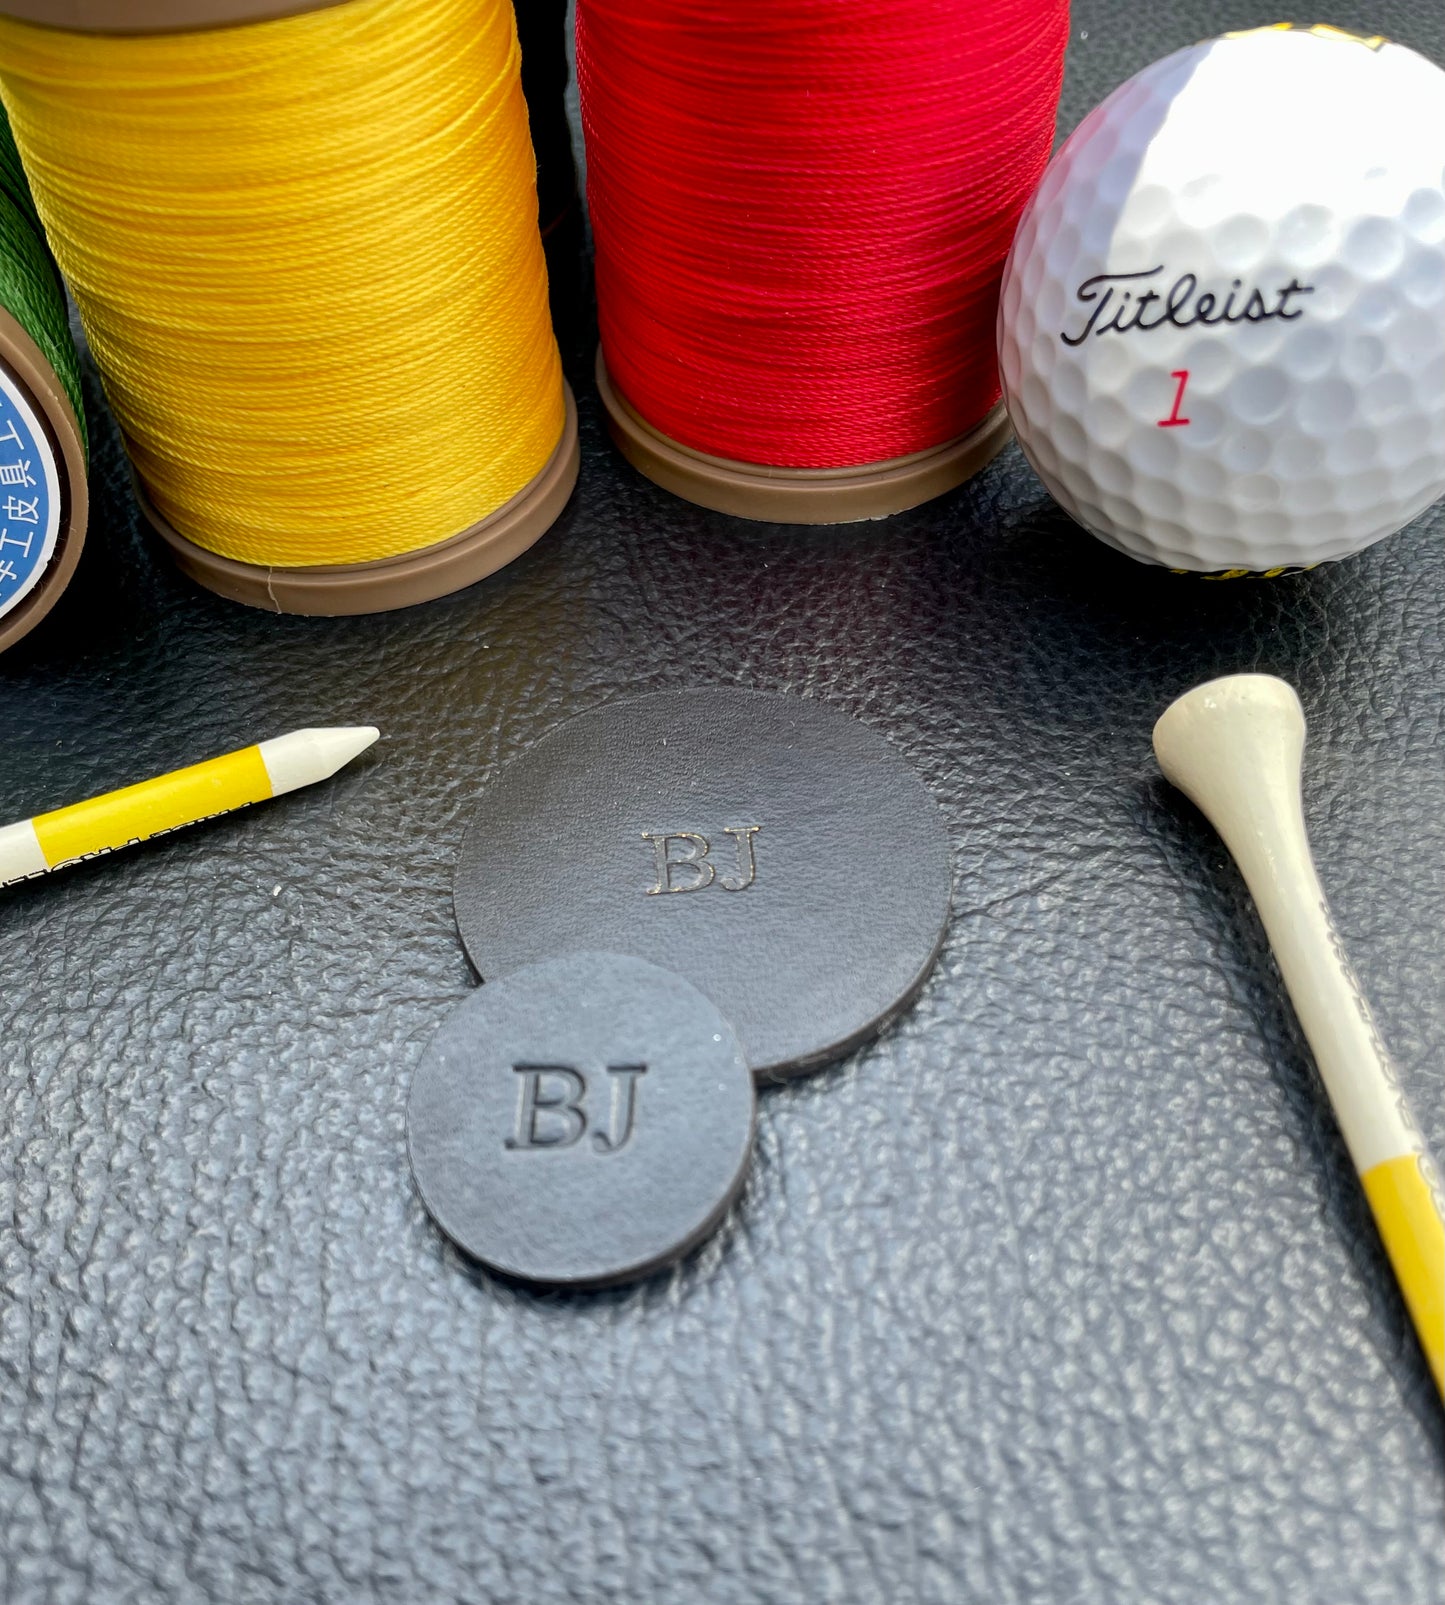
1222, 325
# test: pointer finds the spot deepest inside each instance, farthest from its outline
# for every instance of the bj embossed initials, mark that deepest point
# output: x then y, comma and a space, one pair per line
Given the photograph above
683, 860
552, 1107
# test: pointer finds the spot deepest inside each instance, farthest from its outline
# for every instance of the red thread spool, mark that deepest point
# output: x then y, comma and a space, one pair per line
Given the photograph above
801, 211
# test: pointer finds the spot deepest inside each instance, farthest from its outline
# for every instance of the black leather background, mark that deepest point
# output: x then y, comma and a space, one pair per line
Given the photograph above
1061, 1293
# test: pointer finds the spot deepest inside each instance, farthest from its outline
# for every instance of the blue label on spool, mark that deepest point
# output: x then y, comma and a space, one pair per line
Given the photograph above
29, 496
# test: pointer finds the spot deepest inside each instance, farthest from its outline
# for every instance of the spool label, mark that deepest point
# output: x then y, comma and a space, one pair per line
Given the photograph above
29, 496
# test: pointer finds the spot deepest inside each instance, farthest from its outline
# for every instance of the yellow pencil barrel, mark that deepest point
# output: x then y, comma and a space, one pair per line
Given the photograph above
153, 807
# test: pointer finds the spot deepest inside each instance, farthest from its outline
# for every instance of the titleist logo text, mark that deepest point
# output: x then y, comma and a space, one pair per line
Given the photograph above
1120, 304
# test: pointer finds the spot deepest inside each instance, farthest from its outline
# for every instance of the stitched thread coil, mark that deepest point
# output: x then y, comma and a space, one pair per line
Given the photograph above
801, 211
30, 288
306, 255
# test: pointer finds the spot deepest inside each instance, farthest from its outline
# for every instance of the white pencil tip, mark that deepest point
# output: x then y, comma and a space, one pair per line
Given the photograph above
303, 757
338, 745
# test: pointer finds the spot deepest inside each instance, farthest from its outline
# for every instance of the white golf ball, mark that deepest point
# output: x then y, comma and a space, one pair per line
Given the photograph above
1222, 326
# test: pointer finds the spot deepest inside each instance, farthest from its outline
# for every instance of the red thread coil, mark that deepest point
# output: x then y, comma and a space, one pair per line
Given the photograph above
801, 210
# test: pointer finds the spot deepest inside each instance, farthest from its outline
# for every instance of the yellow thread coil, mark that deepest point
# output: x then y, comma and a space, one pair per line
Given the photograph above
306, 256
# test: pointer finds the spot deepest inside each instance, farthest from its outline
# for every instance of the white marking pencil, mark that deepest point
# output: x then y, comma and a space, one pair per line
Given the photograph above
185, 797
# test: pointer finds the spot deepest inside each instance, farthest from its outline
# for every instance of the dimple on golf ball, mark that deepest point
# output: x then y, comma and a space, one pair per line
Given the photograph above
1222, 325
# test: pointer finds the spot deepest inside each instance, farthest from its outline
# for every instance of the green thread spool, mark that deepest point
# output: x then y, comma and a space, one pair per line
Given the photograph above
43, 448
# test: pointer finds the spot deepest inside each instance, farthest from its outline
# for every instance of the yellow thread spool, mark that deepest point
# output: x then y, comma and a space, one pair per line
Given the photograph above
305, 251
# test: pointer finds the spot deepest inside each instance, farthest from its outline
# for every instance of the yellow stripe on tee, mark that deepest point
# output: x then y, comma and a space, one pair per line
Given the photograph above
1414, 1237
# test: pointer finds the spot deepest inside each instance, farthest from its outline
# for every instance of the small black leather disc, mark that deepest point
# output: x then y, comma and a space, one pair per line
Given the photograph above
777, 853
581, 1122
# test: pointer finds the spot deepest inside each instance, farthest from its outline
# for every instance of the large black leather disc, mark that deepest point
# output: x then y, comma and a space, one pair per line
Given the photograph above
777, 853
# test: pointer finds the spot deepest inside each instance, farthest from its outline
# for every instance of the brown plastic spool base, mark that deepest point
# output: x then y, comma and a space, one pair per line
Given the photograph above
797, 495
155, 16
391, 582
29, 368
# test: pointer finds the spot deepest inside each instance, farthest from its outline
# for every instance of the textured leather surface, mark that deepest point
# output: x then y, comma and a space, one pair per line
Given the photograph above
1062, 1292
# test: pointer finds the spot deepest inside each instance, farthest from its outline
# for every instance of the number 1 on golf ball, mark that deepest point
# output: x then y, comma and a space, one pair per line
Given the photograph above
1222, 324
